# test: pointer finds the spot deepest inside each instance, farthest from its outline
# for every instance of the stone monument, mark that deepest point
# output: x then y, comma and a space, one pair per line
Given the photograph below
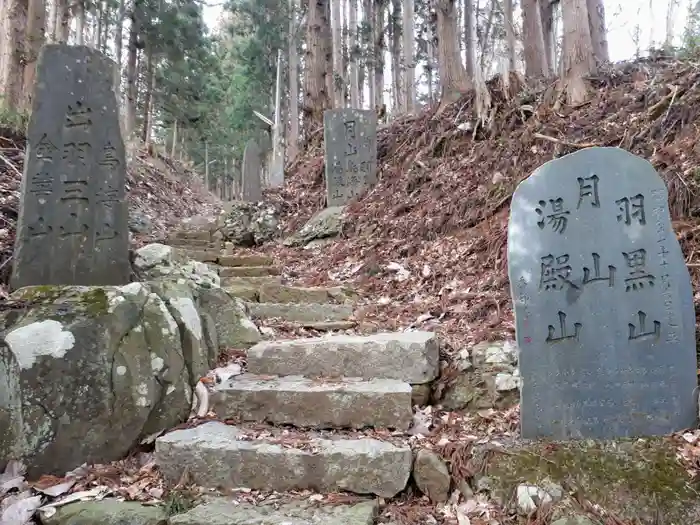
251, 173
350, 138
73, 218
603, 301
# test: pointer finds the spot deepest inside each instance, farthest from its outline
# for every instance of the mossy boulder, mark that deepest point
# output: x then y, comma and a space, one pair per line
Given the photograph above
159, 262
325, 224
234, 329
85, 372
637, 480
105, 512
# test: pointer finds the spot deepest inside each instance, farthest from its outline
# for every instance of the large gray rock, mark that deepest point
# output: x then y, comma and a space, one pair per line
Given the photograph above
139, 222
249, 223
294, 400
159, 261
233, 327
431, 475
106, 512
216, 454
407, 356
326, 223
86, 371
222, 512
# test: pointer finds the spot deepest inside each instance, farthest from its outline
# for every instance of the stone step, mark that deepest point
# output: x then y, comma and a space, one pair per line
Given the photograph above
245, 260
308, 403
210, 255
194, 234
193, 244
247, 292
248, 271
218, 455
280, 293
300, 313
301, 512
412, 357
250, 281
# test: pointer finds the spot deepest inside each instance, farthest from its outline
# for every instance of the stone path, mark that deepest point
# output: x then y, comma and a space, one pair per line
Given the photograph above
307, 385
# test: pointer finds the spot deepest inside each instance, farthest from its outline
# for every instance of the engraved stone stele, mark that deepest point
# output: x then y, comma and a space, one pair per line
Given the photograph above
350, 138
603, 302
73, 219
252, 172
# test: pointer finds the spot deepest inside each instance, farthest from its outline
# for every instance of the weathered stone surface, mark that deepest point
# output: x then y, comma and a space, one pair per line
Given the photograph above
431, 475
245, 260
323, 225
406, 356
632, 479
252, 172
249, 223
158, 261
490, 378
248, 271
279, 293
195, 244
86, 371
216, 454
301, 313
73, 215
207, 255
350, 140
222, 512
139, 222
603, 302
106, 512
243, 291
294, 400
233, 327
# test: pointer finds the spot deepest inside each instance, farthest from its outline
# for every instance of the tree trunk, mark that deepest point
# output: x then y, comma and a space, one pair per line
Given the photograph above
599, 34
395, 27
453, 77
670, 21
132, 72
338, 80
486, 35
353, 53
533, 40
147, 95
36, 27
118, 38
173, 146
318, 55
51, 21
14, 33
293, 142
80, 22
371, 51
510, 33
408, 61
101, 8
577, 57
379, 50
469, 36
430, 62
547, 13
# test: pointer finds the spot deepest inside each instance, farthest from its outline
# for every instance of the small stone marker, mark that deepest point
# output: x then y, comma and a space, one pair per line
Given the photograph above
603, 301
350, 138
73, 220
252, 172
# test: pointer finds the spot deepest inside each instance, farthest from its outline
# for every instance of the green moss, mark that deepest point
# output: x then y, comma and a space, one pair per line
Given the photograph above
44, 293
95, 302
635, 479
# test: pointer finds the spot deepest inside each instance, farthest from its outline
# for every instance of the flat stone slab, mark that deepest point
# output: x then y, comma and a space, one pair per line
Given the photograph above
279, 293
412, 357
301, 313
194, 244
204, 255
250, 281
244, 291
295, 400
223, 512
204, 235
245, 260
248, 271
218, 455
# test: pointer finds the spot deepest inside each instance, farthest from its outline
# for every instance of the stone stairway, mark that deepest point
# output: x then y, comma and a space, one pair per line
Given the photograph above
319, 389
256, 280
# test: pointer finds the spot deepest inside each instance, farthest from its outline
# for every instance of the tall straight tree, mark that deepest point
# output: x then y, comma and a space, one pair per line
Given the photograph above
395, 32
547, 8
36, 31
379, 49
353, 53
293, 77
453, 76
469, 36
338, 73
317, 59
510, 32
599, 36
578, 59
533, 40
408, 56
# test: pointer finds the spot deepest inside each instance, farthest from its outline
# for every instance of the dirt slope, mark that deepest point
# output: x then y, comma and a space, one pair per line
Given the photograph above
431, 236
162, 190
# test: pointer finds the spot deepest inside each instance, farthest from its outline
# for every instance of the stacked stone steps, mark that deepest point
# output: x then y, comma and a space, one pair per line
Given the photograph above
335, 382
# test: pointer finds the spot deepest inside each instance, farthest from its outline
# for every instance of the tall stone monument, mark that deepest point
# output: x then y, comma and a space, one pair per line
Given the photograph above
252, 173
72, 226
350, 138
603, 301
